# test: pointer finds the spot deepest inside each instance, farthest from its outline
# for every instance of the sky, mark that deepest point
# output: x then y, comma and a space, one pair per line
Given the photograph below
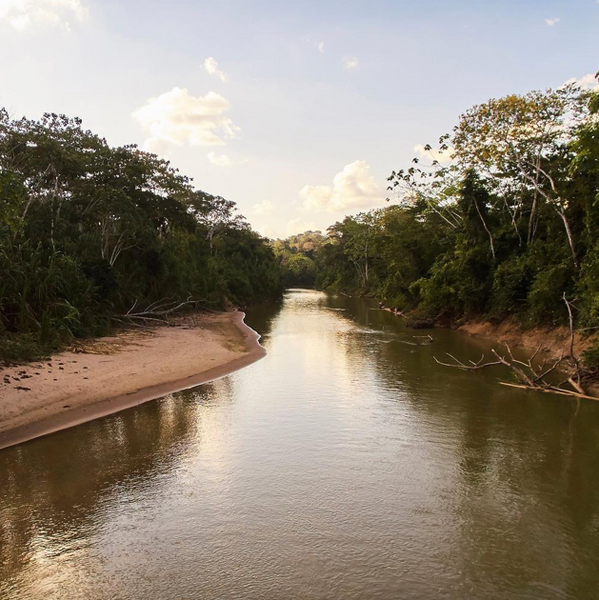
297, 111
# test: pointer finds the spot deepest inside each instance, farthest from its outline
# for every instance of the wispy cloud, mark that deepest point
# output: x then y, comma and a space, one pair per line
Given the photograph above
320, 47
299, 225
552, 22
266, 207
586, 82
350, 62
212, 68
23, 14
220, 160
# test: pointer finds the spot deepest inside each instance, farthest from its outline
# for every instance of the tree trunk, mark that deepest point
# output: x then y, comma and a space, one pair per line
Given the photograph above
562, 214
531, 220
486, 229
366, 276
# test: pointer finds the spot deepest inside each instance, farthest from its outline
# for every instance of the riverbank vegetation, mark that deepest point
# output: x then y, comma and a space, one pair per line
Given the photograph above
91, 236
499, 221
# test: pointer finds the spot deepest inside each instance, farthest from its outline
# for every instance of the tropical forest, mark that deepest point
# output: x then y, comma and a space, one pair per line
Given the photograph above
92, 236
500, 222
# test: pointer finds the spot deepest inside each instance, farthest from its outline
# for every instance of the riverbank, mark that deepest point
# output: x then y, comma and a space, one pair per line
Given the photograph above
552, 341
549, 343
111, 374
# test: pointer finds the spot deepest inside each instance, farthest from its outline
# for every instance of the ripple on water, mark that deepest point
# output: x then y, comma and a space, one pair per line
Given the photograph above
346, 464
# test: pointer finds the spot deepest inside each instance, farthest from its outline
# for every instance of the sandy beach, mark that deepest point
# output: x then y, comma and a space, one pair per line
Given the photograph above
107, 375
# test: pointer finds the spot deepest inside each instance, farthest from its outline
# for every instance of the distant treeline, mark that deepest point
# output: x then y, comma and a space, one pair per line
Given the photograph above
500, 220
89, 232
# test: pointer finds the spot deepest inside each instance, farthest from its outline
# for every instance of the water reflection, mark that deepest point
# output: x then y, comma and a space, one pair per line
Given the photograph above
522, 459
346, 464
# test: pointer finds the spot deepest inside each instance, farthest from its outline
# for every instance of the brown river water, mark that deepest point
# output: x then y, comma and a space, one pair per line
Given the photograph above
346, 464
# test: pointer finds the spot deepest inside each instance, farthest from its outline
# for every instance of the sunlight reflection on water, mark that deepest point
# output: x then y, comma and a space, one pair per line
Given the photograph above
346, 464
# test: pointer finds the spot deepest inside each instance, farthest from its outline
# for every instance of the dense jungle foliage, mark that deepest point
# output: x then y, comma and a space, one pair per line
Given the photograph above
88, 231
297, 256
501, 221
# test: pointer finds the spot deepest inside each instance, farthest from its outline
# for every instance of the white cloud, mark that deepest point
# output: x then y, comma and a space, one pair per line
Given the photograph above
22, 14
266, 207
552, 22
320, 46
351, 62
177, 117
220, 160
300, 225
352, 188
267, 232
441, 156
156, 146
586, 82
294, 226
212, 68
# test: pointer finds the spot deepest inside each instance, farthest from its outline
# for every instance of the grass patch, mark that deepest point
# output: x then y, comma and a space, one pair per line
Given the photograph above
21, 348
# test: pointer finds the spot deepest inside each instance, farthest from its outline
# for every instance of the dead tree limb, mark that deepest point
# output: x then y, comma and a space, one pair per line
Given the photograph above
534, 376
529, 375
157, 311
551, 390
473, 366
575, 380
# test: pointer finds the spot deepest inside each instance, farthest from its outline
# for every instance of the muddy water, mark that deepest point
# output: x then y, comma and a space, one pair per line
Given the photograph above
346, 464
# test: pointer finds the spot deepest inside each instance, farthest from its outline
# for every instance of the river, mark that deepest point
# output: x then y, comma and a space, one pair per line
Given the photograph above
346, 464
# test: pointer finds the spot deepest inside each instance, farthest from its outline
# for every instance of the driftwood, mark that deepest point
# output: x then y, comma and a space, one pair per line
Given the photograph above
421, 340
424, 337
410, 322
533, 376
156, 312
550, 391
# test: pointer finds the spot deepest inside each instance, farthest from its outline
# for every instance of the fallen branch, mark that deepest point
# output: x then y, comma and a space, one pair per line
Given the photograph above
473, 366
530, 375
551, 390
157, 311
429, 339
424, 337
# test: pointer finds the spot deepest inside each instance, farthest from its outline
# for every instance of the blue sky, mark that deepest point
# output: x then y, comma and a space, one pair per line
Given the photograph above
305, 107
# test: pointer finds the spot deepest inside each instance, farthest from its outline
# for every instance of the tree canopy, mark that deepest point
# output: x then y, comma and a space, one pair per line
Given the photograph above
499, 222
88, 230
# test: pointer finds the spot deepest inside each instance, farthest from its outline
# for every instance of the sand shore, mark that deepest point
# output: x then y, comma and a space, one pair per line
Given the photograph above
111, 374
